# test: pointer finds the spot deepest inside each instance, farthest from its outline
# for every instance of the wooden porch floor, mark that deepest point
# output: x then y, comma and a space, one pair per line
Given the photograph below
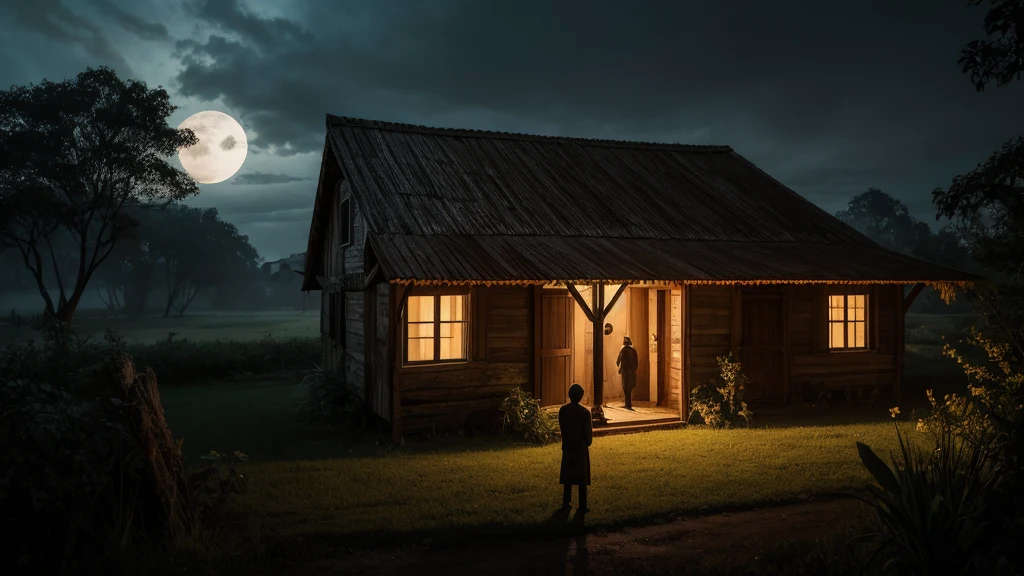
643, 417
642, 413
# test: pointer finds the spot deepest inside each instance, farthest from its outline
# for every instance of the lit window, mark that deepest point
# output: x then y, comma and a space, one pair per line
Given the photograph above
436, 328
847, 321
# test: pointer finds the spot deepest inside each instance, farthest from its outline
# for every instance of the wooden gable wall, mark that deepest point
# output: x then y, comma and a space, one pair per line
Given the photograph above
344, 352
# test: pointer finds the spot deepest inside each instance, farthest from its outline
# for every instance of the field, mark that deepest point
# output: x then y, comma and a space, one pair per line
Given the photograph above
200, 327
320, 483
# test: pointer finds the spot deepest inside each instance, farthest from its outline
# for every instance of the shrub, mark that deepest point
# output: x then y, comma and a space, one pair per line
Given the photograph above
180, 361
328, 397
91, 480
719, 403
522, 415
937, 512
177, 361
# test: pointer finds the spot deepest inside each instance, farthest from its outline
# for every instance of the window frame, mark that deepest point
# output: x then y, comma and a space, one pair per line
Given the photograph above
867, 321
346, 232
436, 360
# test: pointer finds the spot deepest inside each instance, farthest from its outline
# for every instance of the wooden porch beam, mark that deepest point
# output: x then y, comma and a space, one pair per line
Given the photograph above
909, 299
370, 276
579, 300
622, 288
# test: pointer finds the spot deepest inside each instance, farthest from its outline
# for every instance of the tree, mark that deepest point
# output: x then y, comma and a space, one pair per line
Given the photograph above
885, 220
196, 250
999, 59
73, 154
987, 204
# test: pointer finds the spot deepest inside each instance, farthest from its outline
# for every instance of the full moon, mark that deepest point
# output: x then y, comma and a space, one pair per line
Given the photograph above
221, 148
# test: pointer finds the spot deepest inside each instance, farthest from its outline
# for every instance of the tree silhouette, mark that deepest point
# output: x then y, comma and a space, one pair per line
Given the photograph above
73, 155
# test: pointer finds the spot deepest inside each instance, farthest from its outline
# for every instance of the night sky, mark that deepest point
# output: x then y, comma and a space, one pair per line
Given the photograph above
828, 97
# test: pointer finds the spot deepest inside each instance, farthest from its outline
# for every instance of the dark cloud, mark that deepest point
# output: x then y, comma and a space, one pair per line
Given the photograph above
132, 23
828, 97
260, 178
53, 20
831, 97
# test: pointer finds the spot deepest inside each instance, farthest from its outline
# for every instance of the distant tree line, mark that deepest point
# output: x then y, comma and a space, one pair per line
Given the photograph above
888, 222
88, 201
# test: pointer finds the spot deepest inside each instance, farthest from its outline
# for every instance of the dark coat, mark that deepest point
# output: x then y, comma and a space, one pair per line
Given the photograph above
627, 363
577, 427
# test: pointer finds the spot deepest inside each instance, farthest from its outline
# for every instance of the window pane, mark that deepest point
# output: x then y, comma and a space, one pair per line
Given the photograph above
452, 307
453, 341
860, 334
421, 308
851, 334
421, 349
835, 335
421, 330
836, 308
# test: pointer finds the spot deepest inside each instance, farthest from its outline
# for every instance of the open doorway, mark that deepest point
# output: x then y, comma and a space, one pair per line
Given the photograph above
651, 317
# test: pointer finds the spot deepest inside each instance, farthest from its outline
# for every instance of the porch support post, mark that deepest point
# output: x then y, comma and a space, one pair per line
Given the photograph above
615, 298
912, 295
599, 313
579, 300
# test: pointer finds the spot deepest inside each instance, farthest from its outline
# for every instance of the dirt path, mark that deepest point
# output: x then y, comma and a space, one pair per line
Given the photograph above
715, 539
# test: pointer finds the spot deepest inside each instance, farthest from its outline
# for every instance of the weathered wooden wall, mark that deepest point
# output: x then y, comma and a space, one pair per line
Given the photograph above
438, 397
715, 329
380, 369
811, 361
344, 352
710, 319
675, 365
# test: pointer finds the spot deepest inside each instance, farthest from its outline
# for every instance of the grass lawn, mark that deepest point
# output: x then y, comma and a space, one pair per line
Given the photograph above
199, 326
636, 478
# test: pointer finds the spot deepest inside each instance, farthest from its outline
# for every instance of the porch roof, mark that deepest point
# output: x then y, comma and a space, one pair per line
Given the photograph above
540, 259
471, 206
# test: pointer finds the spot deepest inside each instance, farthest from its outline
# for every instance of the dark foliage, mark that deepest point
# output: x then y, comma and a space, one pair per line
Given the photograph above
1000, 58
329, 399
523, 417
719, 403
73, 155
91, 479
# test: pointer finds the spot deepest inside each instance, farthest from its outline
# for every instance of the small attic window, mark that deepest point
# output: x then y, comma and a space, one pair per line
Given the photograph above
345, 223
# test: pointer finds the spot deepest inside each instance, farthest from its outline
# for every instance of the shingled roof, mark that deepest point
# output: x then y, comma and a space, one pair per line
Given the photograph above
472, 206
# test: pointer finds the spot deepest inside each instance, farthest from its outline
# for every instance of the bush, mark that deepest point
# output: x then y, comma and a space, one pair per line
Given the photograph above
522, 415
328, 398
719, 403
937, 512
91, 480
177, 361
185, 361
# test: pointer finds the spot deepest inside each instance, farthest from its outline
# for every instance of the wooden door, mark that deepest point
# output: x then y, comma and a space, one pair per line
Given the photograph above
555, 346
761, 348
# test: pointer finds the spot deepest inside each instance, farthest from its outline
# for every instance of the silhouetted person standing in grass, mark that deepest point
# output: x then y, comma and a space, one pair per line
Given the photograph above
577, 428
627, 363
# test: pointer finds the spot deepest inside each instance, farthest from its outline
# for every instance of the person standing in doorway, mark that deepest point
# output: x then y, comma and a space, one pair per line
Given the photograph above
627, 363
577, 428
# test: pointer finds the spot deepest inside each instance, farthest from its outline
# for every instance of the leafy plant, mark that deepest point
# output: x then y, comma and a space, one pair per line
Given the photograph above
328, 397
218, 479
522, 414
937, 511
719, 403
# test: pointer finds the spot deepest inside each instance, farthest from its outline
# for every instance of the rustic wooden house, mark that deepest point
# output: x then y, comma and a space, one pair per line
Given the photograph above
456, 264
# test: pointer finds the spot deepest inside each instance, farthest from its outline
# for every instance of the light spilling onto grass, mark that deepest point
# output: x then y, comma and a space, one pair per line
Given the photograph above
660, 473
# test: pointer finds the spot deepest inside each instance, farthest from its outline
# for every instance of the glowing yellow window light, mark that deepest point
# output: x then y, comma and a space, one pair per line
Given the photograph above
847, 321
